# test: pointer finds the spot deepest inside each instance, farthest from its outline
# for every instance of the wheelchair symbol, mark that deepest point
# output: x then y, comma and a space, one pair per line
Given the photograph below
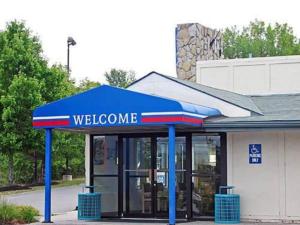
254, 150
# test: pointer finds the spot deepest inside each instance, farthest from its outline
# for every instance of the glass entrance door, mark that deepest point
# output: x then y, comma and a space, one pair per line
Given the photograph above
105, 172
138, 177
206, 152
132, 174
146, 176
162, 176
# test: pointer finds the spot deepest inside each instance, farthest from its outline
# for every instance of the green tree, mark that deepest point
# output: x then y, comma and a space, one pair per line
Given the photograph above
22, 97
120, 78
259, 39
20, 53
87, 84
56, 83
68, 146
20, 58
24, 75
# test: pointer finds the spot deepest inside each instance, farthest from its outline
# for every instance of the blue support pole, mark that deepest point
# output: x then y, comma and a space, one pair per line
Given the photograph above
48, 175
172, 176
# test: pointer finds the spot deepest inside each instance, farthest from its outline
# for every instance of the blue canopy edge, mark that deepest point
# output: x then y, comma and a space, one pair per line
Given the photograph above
106, 106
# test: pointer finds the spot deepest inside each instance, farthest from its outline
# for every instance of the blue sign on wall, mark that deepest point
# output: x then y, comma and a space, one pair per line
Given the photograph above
255, 153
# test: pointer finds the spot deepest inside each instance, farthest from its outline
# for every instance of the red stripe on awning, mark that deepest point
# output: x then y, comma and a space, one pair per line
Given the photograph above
50, 123
170, 119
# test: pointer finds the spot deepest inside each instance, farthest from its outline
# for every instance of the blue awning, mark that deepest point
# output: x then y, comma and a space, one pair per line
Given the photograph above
107, 106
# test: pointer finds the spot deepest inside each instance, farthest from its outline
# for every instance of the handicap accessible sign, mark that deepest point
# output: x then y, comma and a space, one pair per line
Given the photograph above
255, 153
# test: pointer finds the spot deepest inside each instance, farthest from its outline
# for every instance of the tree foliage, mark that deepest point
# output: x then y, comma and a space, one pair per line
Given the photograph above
20, 53
26, 81
87, 84
56, 83
260, 39
68, 146
21, 98
21, 62
120, 78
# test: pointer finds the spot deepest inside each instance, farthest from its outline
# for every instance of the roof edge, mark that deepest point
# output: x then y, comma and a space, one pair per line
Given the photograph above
170, 78
254, 124
143, 77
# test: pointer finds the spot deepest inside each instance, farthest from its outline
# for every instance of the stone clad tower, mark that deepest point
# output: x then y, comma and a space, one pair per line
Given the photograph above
195, 42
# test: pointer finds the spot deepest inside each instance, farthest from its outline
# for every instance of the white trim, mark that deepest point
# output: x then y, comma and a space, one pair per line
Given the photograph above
87, 159
172, 113
157, 85
50, 117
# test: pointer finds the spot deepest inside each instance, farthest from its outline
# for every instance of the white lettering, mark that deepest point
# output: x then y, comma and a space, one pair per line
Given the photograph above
123, 118
78, 119
112, 118
95, 121
133, 117
101, 117
88, 120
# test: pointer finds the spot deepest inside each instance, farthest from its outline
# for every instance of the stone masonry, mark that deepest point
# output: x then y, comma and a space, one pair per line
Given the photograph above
195, 42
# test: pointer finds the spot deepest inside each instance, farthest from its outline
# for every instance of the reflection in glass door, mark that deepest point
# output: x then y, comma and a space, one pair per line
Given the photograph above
162, 176
146, 176
142, 169
205, 174
138, 176
105, 172
180, 163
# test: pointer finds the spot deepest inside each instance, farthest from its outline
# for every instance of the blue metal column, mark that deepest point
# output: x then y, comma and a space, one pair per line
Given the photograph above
48, 174
172, 176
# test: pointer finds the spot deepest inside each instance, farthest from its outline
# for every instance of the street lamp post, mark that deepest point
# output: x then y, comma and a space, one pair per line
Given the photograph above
72, 42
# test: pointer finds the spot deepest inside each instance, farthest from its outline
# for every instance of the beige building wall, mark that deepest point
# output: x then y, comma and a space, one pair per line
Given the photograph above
269, 191
252, 76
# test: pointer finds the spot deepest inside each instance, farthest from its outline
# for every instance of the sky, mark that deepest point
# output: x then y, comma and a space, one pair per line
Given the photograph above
136, 35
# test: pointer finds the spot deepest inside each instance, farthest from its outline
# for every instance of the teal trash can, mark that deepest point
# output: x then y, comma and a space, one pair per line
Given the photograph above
227, 206
89, 205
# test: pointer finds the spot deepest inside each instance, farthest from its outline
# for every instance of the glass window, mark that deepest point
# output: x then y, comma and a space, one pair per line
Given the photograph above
137, 174
162, 154
180, 157
105, 155
108, 187
139, 153
206, 173
105, 162
162, 174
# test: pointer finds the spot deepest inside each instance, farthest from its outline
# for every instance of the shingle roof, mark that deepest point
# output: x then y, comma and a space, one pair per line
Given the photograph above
242, 101
277, 107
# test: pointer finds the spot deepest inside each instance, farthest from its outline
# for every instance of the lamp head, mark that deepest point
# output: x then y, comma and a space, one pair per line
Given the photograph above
71, 41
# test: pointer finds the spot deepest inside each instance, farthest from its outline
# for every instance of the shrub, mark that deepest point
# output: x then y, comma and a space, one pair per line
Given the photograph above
10, 213
27, 213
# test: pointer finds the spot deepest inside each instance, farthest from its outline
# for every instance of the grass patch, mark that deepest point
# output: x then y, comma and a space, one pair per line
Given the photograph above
13, 214
74, 182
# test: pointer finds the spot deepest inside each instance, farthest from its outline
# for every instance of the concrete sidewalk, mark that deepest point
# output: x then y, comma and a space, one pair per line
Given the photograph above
70, 218
140, 222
